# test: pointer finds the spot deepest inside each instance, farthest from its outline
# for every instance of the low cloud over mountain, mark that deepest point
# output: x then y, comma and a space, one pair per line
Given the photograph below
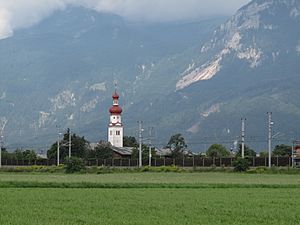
18, 14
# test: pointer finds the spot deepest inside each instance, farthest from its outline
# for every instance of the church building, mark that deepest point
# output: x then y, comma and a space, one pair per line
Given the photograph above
115, 127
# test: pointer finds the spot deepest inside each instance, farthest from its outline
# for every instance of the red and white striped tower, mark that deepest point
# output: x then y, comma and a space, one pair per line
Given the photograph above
115, 127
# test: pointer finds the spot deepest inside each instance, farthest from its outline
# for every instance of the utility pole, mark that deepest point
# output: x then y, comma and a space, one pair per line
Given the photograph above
58, 136
150, 145
2, 140
70, 143
270, 123
58, 151
140, 143
243, 137
293, 152
1, 147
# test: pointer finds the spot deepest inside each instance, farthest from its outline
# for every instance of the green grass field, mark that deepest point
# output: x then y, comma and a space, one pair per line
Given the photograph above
263, 201
165, 178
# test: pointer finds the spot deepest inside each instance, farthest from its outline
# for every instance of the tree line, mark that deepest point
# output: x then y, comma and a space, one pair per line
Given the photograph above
103, 150
19, 154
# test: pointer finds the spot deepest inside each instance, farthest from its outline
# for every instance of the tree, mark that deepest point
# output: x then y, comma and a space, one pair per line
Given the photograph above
247, 151
264, 154
103, 151
282, 150
241, 165
74, 164
129, 141
80, 147
176, 145
145, 152
217, 151
7, 155
19, 154
29, 155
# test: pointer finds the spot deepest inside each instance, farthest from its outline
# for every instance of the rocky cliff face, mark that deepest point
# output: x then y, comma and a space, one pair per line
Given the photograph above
255, 34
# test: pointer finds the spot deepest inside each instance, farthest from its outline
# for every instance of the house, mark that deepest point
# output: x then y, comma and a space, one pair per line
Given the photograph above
122, 152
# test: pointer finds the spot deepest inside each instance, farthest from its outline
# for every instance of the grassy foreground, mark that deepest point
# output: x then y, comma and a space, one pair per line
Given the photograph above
156, 178
149, 198
149, 206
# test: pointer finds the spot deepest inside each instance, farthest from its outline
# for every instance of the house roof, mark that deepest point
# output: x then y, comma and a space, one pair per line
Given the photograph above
167, 151
163, 151
123, 151
127, 151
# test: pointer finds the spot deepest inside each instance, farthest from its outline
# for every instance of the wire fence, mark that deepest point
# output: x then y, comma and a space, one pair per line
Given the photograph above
195, 161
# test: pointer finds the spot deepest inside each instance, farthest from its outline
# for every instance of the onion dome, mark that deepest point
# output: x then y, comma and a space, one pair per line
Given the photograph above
115, 95
115, 109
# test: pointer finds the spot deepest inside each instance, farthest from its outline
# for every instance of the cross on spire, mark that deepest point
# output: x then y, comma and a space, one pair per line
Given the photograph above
116, 85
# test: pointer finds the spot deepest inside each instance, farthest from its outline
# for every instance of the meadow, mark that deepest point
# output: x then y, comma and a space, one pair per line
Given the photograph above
150, 198
157, 178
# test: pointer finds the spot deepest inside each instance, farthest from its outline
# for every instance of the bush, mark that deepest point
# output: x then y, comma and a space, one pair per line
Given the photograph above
258, 170
32, 169
241, 165
74, 164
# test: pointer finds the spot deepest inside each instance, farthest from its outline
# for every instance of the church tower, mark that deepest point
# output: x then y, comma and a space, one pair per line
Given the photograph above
115, 127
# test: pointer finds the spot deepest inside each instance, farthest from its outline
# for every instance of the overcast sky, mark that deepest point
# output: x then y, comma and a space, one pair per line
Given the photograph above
16, 14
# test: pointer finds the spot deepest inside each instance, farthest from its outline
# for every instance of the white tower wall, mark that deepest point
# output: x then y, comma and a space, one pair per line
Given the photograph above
115, 135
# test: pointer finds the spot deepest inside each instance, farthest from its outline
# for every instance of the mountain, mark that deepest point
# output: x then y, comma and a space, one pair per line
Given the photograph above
198, 78
61, 72
248, 67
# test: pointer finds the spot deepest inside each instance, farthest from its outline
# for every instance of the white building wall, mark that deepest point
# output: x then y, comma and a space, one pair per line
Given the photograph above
115, 136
